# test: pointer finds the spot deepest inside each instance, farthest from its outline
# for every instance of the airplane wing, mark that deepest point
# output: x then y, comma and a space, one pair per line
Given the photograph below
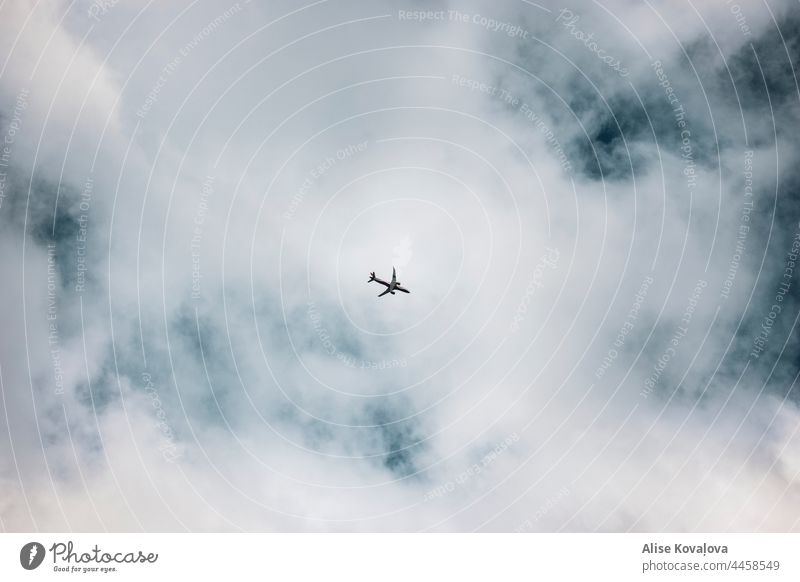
385, 292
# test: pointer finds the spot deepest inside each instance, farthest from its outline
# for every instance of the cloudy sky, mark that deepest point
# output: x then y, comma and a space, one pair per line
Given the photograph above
594, 205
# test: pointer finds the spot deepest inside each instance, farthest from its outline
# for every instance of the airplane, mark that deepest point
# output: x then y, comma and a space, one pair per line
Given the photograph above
390, 287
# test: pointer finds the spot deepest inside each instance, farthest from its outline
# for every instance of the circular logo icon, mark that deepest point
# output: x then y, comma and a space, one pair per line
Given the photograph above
31, 555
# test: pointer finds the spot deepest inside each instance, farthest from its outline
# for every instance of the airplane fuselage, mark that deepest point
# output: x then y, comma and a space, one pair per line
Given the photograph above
391, 287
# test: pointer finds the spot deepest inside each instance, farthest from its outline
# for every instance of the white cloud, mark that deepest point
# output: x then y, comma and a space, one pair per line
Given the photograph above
314, 405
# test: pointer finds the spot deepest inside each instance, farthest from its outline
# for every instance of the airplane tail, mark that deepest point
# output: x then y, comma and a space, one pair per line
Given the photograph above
371, 277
